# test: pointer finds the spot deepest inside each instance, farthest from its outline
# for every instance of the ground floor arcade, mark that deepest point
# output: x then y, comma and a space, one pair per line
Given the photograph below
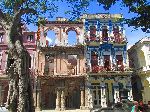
60, 93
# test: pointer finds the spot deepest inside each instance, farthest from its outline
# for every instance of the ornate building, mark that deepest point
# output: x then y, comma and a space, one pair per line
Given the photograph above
139, 55
106, 59
29, 43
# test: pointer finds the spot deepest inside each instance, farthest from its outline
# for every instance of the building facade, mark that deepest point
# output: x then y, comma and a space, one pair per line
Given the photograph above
60, 67
99, 77
139, 55
29, 41
92, 72
109, 76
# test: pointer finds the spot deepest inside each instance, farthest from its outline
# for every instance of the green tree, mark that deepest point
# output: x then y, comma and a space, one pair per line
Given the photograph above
12, 14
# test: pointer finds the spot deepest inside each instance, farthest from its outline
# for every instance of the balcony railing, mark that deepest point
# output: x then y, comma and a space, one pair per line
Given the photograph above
120, 40
97, 69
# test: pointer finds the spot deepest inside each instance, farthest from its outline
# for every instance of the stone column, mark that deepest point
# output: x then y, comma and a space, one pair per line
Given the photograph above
103, 96
34, 98
63, 99
58, 99
38, 101
82, 98
116, 93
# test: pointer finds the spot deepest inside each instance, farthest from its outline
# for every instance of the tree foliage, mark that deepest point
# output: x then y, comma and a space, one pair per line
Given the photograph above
139, 7
31, 10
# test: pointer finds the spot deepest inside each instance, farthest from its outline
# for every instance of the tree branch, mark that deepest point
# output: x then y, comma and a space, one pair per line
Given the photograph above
18, 5
3, 19
17, 16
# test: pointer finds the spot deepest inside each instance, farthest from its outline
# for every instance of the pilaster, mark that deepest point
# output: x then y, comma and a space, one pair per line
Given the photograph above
58, 99
103, 95
63, 99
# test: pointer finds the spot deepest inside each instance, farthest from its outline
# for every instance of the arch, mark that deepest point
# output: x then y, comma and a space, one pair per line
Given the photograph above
72, 29
72, 37
50, 37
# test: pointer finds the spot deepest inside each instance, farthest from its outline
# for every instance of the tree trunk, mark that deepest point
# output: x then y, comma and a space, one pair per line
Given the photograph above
20, 90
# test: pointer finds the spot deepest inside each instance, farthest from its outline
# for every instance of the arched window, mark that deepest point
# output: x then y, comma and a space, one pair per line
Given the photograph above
50, 37
72, 38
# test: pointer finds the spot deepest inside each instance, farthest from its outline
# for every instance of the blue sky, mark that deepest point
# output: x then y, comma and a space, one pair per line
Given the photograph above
131, 34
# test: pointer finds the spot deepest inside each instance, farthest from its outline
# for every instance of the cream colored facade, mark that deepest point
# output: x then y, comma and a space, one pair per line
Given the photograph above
139, 55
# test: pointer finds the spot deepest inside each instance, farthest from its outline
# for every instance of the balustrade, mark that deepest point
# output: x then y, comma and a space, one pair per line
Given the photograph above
117, 39
97, 68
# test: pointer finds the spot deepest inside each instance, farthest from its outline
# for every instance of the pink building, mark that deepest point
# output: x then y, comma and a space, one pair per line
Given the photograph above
29, 41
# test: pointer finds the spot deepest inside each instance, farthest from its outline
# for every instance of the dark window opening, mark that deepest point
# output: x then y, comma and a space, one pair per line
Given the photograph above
99, 94
95, 102
92, 33
94, 94
123, 94
72, 64
30, 37
116, 29
107, 62
29, 62
119, 62
49, 64
94, 62
105, 33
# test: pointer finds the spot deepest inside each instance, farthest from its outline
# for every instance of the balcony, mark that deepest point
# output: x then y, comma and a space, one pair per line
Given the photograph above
113, 40
106, 69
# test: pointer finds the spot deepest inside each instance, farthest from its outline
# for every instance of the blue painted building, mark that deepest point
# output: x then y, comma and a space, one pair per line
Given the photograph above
106, 59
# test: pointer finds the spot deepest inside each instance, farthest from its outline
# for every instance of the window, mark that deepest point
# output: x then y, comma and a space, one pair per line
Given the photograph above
116, 29
94, 61
30, 37
105, 33
107, 62
1, 37
119, 59
92, 33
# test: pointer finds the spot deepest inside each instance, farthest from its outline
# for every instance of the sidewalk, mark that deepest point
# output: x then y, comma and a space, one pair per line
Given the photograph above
75, 110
